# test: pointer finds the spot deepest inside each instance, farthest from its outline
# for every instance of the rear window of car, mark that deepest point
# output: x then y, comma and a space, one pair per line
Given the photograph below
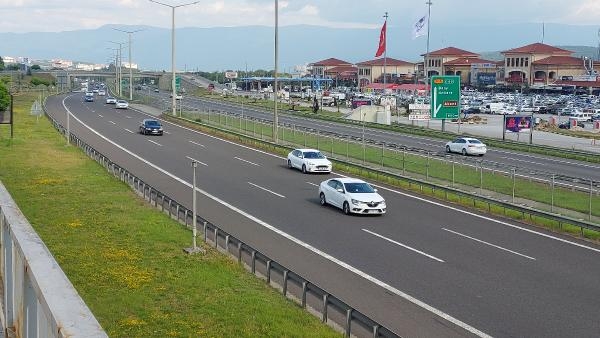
475, 141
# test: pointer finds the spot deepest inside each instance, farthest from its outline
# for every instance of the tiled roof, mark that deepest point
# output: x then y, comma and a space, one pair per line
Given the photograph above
559, 60
538, 48
389, 62
467, 61
342, 69
331, 62
451, 51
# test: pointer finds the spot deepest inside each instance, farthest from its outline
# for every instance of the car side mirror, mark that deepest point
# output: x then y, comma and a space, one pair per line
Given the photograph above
375, 190
341, 191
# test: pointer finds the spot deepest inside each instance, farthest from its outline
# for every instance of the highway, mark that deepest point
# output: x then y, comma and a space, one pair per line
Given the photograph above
423, 269
526, 164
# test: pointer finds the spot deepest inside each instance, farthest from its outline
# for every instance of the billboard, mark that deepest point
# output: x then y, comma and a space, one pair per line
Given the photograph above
361, 102
231, 75
486, 79
517, 124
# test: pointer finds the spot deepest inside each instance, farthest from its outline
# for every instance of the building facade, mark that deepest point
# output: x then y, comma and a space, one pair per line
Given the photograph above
397, 71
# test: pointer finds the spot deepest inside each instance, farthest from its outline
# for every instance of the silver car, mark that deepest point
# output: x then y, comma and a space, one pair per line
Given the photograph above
466, 146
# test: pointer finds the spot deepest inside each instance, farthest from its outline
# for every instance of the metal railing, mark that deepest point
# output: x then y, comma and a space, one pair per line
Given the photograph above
38, 299
332, 310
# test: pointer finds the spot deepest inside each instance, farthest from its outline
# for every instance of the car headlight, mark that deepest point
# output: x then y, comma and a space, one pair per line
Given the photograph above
355, 202
310, 163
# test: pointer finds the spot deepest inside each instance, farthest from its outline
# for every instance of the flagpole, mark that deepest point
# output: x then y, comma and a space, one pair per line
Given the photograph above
385, 53
428, 3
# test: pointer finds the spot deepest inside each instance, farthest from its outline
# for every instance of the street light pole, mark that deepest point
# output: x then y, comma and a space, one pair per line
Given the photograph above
275, 117
119, 72
130, 68
173, 89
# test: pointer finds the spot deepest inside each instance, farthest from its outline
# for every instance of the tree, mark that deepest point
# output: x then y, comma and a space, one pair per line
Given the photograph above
4, 97
1, 63
36, 67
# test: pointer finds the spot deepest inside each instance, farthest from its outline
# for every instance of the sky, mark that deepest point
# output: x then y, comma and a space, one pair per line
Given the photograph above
66, 15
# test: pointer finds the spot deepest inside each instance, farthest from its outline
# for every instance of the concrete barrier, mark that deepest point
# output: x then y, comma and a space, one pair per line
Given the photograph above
38, 300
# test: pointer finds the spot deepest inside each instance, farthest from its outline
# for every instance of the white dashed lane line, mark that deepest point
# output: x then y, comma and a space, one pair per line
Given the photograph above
195, 160
196, 143
158, 144
246, 161
265, 189
127, 130
403, 245
489, 244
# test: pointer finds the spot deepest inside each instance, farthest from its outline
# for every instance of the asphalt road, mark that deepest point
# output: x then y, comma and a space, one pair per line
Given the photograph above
424, 269
525, 164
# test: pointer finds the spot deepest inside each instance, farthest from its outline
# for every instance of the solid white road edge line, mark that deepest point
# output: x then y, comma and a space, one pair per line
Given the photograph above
195, 160
490, 244
403, 245
241, 159
265, 189
294, 239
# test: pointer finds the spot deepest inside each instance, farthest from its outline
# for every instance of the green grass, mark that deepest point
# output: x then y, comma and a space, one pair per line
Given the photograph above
125, 258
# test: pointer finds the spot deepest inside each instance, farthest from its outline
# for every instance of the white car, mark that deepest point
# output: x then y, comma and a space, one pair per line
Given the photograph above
177, 96
121, 104
101, 92
466, 146
111, 100
309, 161
352, 196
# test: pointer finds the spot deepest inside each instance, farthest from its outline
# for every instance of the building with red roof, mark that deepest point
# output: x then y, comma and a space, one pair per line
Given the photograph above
397, 71
318, 68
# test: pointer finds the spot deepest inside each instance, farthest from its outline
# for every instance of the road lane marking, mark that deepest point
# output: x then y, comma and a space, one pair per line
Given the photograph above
100, 115
111, 122
241, 159
551, 159
127, 116
198, 144
166, 132
158, 144
403, 245
311, 183
128, 130
490, 244
195, 160
267, 190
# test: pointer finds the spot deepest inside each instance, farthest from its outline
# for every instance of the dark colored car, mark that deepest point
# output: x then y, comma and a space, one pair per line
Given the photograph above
151, 126
567, 125
88, 98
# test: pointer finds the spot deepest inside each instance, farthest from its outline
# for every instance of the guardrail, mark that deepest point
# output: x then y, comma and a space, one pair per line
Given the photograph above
310, 296
438, 190
38, 300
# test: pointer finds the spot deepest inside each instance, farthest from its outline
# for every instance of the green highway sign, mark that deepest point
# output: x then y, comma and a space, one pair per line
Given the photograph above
445, 97
177, 83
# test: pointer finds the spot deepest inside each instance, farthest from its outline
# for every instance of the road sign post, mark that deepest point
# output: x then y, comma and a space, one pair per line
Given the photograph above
177, 83
445, 97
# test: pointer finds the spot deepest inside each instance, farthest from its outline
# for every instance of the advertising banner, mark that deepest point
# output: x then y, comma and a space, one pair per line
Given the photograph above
517, 124
486, 79
361, 102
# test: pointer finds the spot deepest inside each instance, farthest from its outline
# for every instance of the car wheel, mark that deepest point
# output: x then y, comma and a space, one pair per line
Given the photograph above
289, 164
464, 152
346, 208
304, 169
447, 149
322, 199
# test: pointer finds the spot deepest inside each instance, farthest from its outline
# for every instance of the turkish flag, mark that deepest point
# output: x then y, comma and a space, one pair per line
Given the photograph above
382, 39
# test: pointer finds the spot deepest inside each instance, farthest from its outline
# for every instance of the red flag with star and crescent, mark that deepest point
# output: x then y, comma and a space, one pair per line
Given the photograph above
382, 39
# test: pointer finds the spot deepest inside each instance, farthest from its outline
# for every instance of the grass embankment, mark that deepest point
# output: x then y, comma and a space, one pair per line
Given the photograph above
125, 258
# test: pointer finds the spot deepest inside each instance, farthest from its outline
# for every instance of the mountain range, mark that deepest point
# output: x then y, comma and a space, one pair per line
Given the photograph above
252, 47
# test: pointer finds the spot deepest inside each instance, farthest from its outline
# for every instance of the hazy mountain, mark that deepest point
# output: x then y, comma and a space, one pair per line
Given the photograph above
224, 48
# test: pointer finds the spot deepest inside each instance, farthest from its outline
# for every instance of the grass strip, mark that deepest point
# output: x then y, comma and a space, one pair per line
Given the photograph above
125, 258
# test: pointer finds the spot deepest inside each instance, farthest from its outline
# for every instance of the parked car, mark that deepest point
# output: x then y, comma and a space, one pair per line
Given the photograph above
567, 125
111, 100
352, 196
308, 160
151, 126
121, 104
177, 96
466, 146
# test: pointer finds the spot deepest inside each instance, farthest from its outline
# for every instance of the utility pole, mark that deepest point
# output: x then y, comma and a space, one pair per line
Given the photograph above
385, 54
275, 117
130, 67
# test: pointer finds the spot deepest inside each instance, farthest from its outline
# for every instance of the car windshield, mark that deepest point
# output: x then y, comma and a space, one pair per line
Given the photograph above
153, 123
313, 154
361, 188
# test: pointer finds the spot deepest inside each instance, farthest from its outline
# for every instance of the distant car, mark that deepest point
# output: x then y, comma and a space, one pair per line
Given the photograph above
466, 146
177, 96
121, 104
111, 100
156, 90
596, 117
352, 196
309, 161
88, 93
88, 98
95, 90
151, 126
567, 125
101, 92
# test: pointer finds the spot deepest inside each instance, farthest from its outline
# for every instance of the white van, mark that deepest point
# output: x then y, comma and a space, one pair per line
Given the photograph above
581, 116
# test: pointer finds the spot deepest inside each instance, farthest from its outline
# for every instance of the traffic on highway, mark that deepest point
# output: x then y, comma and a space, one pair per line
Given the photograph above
425, 268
